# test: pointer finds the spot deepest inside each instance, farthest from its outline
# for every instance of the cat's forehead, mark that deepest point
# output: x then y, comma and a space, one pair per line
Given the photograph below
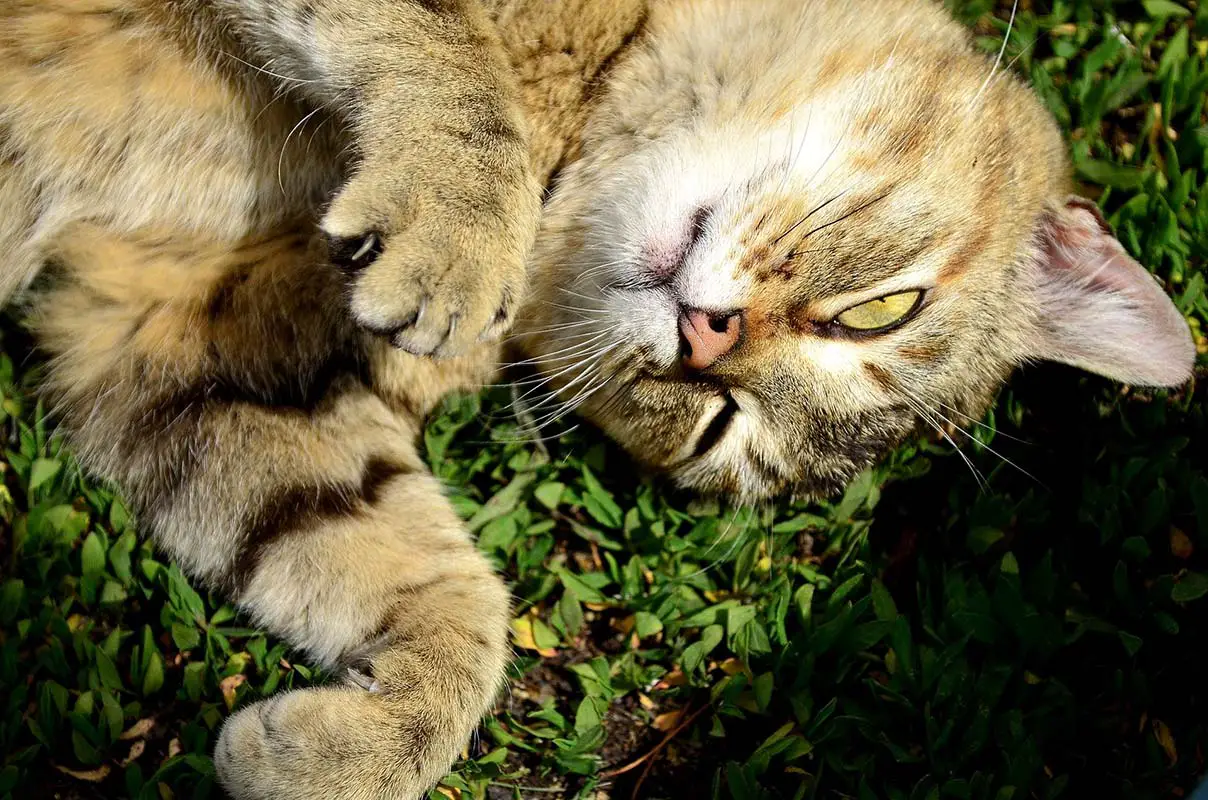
871, 184
831, 242
857, 229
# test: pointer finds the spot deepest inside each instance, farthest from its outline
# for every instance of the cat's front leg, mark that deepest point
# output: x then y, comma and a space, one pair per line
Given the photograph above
294, 488
434, 223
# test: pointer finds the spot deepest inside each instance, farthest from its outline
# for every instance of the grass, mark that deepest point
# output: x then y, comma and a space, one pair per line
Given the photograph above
919, 637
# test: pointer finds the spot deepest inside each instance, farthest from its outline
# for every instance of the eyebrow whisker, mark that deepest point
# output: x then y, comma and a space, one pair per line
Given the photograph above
802, 221
853, 212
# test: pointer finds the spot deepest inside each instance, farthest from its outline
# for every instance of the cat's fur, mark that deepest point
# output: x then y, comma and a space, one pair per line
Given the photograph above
189, 170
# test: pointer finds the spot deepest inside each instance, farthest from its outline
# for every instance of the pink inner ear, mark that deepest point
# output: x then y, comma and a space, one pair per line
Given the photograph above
1082, 243
1099, 309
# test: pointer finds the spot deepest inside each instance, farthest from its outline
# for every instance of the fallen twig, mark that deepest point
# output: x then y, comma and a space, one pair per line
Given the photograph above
612, 773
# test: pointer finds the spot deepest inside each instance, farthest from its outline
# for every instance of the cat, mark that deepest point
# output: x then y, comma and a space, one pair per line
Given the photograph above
757, 243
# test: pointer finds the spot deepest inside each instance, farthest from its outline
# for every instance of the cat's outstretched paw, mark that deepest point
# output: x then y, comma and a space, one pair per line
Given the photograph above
441, 269
318, 744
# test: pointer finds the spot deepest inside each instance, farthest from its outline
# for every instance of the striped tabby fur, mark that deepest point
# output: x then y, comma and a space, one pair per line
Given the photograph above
268, 237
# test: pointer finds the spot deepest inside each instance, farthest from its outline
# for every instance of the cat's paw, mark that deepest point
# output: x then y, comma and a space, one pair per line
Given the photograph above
318, 744
439, 269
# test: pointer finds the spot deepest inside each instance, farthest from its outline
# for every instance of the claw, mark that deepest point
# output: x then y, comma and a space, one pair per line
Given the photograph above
364, 681
353, 255
366, 246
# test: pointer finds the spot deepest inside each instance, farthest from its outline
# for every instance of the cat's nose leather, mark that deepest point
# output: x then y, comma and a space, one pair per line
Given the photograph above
706, 337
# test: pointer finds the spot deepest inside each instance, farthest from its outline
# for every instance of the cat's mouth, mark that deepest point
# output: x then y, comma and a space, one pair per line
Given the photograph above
720, 409
716, 427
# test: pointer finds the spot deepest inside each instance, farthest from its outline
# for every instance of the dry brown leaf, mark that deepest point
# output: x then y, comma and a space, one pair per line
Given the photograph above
174, 748
623, 624
91, 775
645, 702
139, 729
1161, 731
449, 792
675, 677
1180, 544
136, 750
668, 721
229, 685
732, 666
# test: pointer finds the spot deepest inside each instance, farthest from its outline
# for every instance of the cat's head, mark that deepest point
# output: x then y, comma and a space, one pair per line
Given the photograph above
797, 231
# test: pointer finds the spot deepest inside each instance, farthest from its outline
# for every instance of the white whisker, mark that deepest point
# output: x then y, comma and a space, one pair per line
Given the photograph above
264, 71
974, 439
972, 419
926, 416
739, 539
596, 383
588, 298
580, 364
998, 61
600, 311
285, 145
552, 329
565, 352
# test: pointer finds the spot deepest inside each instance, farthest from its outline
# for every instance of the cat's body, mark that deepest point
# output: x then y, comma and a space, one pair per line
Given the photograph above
173, 163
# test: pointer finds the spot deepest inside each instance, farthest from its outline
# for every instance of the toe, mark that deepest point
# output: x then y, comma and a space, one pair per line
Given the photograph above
239, 757
434, 335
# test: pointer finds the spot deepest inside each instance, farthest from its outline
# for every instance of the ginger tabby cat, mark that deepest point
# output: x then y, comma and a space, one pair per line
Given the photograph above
260, 240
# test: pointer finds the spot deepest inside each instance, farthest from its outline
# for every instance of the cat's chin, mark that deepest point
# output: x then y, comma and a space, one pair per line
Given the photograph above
746, 483
714, 439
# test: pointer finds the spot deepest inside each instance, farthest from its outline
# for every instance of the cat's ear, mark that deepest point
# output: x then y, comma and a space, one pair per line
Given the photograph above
1098, 309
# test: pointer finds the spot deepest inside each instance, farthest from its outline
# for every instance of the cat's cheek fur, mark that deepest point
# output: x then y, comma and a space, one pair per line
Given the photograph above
1096, 308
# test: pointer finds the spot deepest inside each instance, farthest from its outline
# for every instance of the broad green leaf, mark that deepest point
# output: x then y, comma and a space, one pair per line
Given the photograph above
43, 470
1192, 586
882, 602
92, 556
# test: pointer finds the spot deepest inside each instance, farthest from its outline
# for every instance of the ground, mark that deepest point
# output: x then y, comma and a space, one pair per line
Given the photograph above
1031, 627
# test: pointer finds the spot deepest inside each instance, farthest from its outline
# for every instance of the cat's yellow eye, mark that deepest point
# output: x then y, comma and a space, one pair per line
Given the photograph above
884, 312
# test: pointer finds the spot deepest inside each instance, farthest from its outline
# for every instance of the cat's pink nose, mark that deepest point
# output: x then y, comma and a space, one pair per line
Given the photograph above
706, 337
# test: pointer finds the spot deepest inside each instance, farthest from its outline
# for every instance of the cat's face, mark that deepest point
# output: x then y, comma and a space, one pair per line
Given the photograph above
795, 234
